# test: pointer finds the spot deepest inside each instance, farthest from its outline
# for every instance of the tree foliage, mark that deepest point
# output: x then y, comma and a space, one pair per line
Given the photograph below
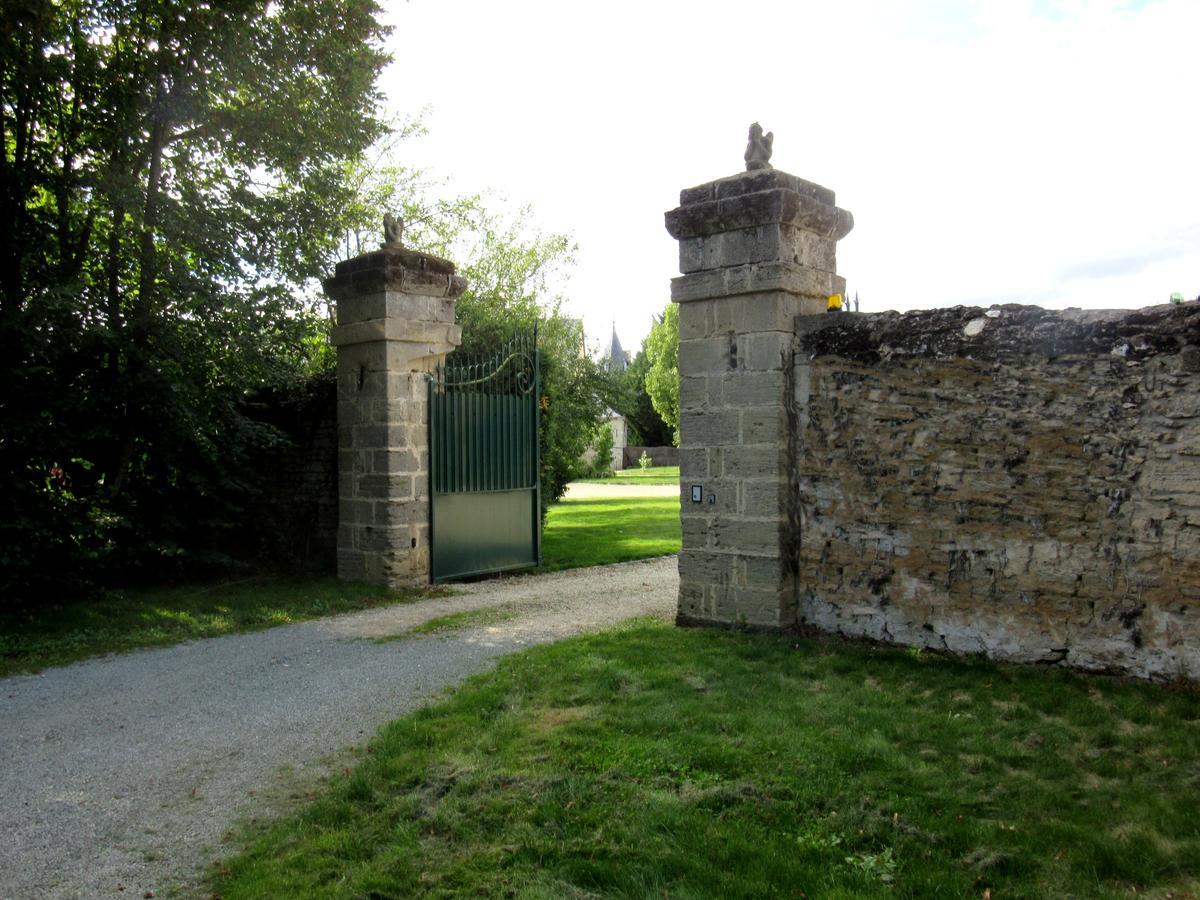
510, 273
662, 376
171, 172
647, 428
514, 277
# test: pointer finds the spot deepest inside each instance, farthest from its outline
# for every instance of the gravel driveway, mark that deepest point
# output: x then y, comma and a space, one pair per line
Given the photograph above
120, 775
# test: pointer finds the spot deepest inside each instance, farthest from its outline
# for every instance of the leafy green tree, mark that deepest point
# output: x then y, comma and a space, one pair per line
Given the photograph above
647, 427
662, 376
513, 275
602, 448
510, 274
171, 172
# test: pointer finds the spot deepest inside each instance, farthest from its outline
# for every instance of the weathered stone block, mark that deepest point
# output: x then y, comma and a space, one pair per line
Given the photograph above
708, 428
744, 389
709, 356
693, 463
763, 425
756, 278
757, 461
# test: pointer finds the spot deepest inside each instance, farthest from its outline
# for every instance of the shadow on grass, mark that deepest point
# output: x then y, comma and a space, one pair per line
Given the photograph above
156, 617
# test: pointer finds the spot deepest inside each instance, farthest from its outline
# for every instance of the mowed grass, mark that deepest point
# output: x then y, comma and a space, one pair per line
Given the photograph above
596, 531
153, 617
637, 475
659, 762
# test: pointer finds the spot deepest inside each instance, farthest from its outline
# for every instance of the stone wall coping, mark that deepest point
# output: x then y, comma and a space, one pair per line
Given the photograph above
395, 269
1005, 331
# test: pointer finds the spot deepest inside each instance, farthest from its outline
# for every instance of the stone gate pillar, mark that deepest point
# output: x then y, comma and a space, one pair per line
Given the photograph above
756, 250
395, 322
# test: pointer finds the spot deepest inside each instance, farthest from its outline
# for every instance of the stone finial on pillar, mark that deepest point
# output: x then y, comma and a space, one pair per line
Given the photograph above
395, 322
756, 250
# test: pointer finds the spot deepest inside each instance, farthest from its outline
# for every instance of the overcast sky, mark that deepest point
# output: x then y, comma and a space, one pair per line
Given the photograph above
990, 150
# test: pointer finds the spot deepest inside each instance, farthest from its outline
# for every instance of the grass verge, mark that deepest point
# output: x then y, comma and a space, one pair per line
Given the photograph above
593, 532
155, 617
652, 475
662, 762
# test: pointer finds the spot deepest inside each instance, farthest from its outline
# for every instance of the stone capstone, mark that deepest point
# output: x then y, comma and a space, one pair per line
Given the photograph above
398, 269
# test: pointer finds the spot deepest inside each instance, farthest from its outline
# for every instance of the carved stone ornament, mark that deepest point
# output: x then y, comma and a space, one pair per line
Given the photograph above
758, 148
393, 231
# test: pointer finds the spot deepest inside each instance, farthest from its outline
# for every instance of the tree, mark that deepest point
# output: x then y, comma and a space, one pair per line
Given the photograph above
646, 426
510, 272
514, 276
662, 377
168, 176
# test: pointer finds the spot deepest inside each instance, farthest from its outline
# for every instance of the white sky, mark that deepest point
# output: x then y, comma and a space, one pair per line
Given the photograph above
990, 150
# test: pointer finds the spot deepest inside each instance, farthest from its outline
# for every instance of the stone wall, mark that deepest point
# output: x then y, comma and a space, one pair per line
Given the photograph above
1016, 482
1009, 481
659, 456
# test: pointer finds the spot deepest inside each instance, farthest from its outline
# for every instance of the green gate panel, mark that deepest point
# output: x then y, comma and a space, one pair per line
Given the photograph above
480, 532
485, 511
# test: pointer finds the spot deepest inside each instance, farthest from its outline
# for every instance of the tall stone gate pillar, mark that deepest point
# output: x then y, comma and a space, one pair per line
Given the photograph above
395, 322
756, 250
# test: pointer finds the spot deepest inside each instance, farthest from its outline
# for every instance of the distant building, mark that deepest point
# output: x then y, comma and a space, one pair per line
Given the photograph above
616, 357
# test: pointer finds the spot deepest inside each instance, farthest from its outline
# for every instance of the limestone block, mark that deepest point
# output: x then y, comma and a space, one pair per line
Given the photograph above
753, 182
693, 464
707, 428
769, 351
756, 278
766, 497
764, 425
757, 461
762, 243
709, 356
746, 389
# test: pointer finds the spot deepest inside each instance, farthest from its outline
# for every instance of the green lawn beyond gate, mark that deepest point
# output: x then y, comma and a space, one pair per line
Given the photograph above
592, 532
660, 762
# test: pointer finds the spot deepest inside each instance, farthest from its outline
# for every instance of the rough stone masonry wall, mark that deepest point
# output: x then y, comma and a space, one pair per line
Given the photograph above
1016, 482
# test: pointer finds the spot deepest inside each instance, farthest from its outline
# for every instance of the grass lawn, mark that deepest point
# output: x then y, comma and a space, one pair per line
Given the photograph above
154, 617
591, 532
655, 761
652, 475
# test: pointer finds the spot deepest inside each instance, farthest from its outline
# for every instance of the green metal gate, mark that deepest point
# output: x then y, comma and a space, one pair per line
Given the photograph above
483, 462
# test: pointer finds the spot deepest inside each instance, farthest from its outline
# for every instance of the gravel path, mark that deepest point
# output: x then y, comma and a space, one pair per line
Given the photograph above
120, 775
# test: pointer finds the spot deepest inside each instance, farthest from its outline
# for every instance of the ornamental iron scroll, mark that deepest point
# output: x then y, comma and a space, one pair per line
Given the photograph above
512, 369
